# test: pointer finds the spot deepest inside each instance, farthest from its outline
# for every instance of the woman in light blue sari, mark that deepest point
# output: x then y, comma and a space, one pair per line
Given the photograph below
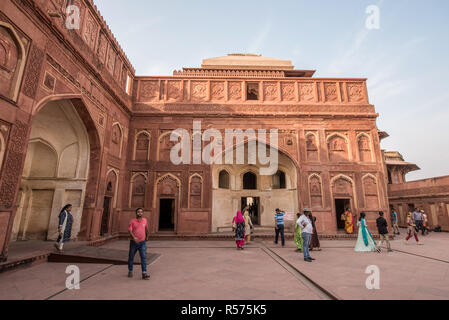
365, 241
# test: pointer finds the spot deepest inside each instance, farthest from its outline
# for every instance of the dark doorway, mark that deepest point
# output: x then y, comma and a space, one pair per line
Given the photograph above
254, 208
105, 217
341, 205
167, 215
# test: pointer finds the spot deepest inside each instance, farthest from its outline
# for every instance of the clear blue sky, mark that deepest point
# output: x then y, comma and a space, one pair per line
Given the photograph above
406, 60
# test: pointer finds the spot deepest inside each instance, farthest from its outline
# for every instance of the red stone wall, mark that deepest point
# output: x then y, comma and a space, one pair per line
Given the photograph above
431, 195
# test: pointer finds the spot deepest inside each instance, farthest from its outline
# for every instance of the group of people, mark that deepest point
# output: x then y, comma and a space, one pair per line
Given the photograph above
242, 226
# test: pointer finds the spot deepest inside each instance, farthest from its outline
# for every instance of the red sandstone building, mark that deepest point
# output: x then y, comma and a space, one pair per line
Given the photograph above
77, 126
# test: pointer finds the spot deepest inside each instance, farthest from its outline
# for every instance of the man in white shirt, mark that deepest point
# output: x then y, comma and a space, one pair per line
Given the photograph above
307, 231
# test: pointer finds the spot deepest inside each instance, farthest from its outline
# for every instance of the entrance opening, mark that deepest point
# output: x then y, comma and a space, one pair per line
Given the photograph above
167, 215
106, 214
341, 205
254, 205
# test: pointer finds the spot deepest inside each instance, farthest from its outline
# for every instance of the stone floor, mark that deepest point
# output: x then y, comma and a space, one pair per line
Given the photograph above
215, 270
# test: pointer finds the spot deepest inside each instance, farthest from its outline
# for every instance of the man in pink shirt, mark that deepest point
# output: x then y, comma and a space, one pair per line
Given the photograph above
139, 232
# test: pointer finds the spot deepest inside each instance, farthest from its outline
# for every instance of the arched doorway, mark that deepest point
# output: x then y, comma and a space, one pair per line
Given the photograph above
56, 170
246, 186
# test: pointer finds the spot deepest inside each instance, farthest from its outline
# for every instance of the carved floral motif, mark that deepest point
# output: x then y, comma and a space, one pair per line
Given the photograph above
355, 92
174, 90
149, 90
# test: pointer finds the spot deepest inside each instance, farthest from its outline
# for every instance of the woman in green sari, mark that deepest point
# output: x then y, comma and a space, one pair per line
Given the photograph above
365, 240
298, 234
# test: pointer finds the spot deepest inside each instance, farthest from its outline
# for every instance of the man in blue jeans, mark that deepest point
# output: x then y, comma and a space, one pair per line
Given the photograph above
139, 232
279, 223
307, 231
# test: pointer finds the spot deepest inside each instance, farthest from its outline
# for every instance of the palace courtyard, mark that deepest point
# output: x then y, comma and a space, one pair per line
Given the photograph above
215, 270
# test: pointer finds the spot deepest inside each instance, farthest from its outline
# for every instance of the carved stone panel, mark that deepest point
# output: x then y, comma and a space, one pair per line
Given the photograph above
371, 194
102, 47
165, 147
235, 90
270, 91
338, 149
315, 188
174, 90
195, 192
288, 91
138, 191
142, 147
364, 148
307, 91
330, 91
342, 187
90, 31
198, 91
149, 91
168, 186
217, 91
355, 92
312, 147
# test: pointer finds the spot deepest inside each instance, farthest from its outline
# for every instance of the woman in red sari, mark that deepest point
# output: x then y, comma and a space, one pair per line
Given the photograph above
238, 225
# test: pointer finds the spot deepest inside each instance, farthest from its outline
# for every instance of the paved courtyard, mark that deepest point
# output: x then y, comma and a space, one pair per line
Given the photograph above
213, 270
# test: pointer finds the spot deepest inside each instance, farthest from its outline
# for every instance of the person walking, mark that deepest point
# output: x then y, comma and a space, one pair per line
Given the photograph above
238, 226
314, 241
139, 232
418, 219
307, 231
425, 223
298, 234
349, 222
382, 227
279, 223
395, 222
365, 240
64, 227
411, 229
248, 226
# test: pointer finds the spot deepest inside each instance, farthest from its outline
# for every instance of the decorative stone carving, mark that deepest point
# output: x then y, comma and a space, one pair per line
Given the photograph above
174, 90
90, 31
315, 192
49, 81
312, 147
13, 165
149, 91
138, 191
142, 147
342, 187
370, 192
165, 146
235, 90
330, 91
198, 90
306, 92
102, 47
111, 60
364, 148
270, 91
288, 91
338, 149
33, 72
217, 91
355, 92
167, 186
195, 192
